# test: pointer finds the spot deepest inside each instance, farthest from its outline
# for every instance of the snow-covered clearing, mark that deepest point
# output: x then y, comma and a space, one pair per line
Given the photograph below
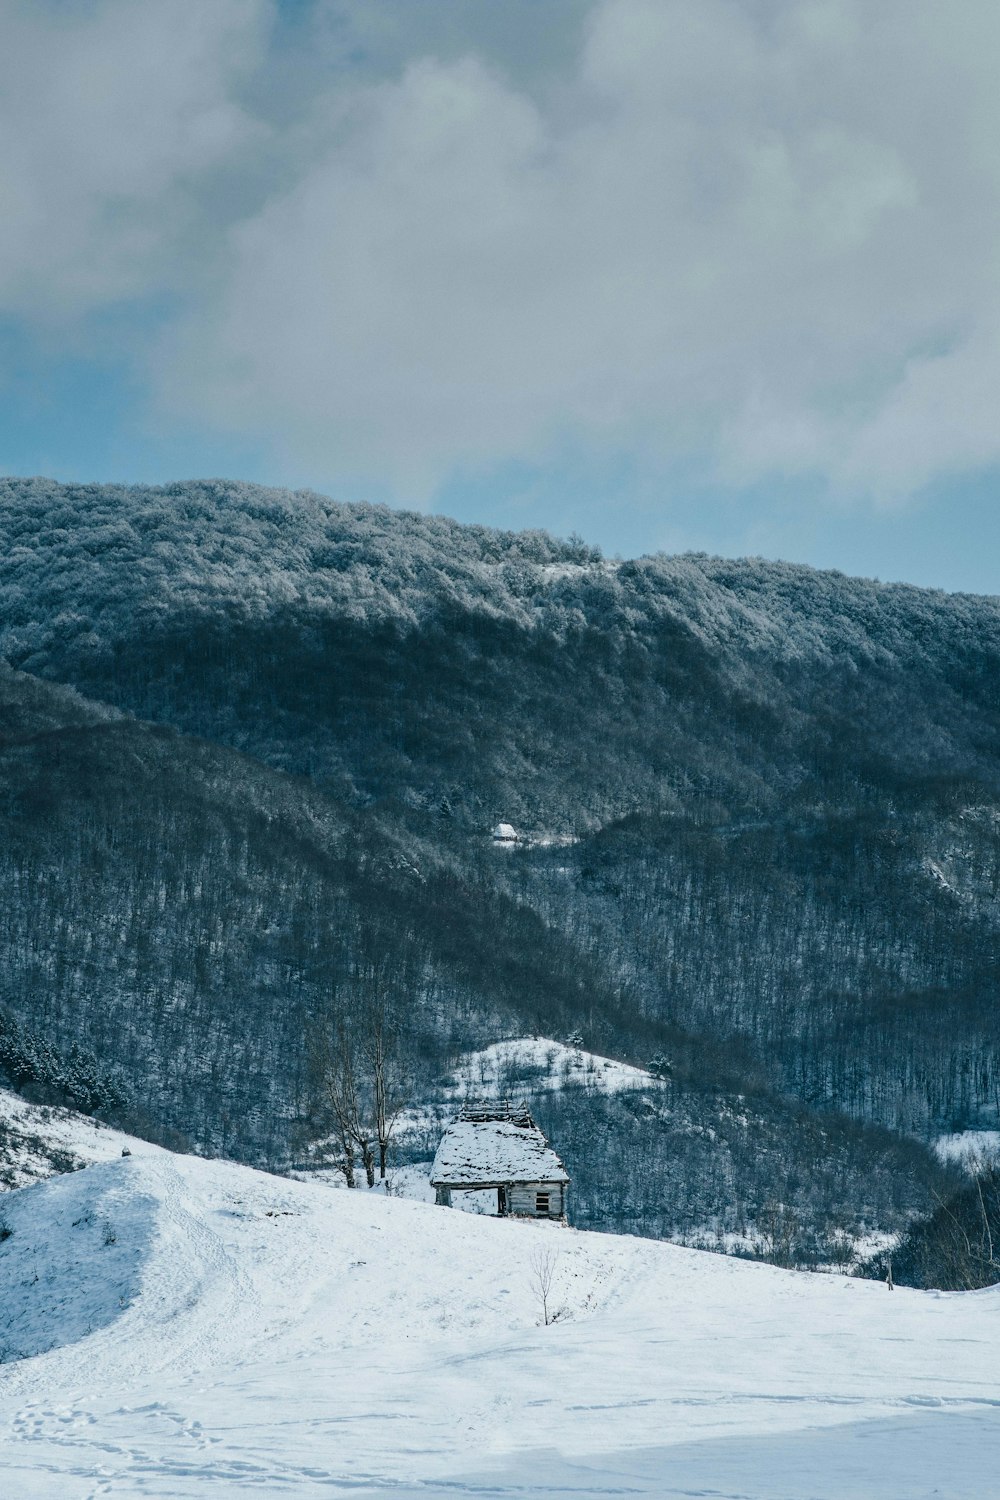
222, 1332
968, 1146
538, 1063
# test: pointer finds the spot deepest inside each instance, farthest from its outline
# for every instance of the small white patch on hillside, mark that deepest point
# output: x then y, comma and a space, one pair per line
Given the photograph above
540, 1064
554, 572
967, 1146
939, 875
537, 841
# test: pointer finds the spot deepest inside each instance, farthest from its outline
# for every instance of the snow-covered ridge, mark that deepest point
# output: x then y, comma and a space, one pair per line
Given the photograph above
38, 1139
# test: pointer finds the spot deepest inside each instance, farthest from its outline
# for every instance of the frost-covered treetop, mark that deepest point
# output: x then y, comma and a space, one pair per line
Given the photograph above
85, 564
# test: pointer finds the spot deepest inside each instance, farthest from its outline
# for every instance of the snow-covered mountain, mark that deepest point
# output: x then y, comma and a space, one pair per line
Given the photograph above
254, 751
176, 1327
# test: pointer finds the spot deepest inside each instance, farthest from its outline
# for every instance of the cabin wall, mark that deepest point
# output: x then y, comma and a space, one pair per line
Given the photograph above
522, 1198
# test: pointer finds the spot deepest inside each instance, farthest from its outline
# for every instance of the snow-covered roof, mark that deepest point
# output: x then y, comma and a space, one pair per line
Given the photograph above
490, 1152
504, 831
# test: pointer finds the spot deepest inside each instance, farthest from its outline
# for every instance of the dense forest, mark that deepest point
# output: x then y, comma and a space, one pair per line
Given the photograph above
252, 742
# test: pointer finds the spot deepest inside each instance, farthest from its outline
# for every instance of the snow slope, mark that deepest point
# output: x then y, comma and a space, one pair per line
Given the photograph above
540, 1063
242, 1334
38, 1139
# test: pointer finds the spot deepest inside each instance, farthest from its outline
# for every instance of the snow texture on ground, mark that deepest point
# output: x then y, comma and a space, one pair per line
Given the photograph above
247, 1335
34, 1136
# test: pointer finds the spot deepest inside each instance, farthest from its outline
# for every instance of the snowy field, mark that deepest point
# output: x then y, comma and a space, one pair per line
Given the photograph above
174, 1327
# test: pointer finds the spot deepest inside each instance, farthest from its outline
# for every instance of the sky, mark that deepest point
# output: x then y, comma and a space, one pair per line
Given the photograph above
719, 275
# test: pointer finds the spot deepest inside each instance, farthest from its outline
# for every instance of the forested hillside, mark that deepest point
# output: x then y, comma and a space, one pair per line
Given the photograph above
255, 742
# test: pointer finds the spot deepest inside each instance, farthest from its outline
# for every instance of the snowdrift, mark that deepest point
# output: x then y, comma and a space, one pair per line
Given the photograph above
72, 1257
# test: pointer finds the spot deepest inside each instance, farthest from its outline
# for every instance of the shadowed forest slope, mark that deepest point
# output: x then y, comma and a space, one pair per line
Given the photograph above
763, 806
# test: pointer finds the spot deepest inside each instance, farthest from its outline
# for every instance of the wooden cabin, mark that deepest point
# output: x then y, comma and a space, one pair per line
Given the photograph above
504, 833
497, 1146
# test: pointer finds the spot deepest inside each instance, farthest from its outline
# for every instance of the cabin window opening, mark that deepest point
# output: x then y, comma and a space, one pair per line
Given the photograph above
541, 1203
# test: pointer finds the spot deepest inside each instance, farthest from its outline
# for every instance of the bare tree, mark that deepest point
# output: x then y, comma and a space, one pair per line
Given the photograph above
335, 1065
361, 1076
543, 1264
984, 1168
388, 1091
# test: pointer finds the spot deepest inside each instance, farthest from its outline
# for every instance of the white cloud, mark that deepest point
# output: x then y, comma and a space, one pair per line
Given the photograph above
758, 231
941, 417
111, 115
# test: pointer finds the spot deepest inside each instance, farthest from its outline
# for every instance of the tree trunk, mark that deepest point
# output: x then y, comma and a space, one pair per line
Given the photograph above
382, 1126
347, 1167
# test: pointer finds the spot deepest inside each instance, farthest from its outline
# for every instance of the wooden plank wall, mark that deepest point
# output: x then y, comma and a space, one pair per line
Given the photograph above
521, 1198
